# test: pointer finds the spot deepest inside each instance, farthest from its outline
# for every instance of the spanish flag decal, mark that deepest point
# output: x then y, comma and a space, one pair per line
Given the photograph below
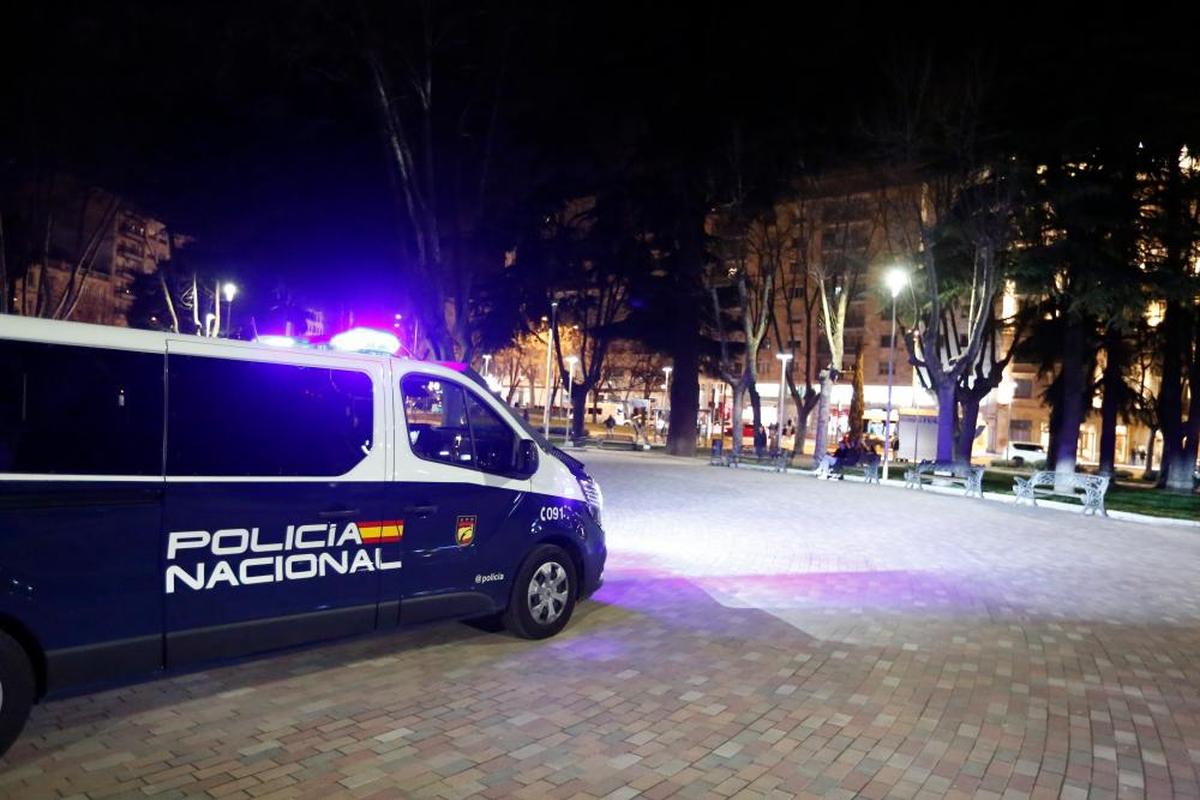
464, 531
381, 532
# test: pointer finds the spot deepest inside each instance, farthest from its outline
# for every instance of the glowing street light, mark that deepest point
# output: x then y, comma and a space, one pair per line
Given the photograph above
487, 360
896, 279
229, 290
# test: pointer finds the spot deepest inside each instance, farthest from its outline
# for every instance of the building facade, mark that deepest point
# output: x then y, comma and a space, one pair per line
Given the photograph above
96, 247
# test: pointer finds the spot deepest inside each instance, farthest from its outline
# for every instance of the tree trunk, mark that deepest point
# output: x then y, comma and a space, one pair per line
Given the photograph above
1072, 398
1113, 383
736, 420
1191, 441
966, 432
947, 395
1170, 397
1055, 431
804, 408
821, 443
579, 394
5, 291
755, 404
685, 399
1149, 466
1177, 325
685, 325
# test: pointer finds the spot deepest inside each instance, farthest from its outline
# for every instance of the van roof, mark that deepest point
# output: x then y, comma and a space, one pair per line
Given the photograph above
35, 329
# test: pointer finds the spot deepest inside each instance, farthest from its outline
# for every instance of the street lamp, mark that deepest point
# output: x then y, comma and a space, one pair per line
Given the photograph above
487, 360
549, 350
784, 358
571, 361
896, 279
230, 291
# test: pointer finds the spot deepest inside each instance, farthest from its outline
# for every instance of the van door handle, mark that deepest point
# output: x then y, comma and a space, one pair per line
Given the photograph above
420, 512
338, 513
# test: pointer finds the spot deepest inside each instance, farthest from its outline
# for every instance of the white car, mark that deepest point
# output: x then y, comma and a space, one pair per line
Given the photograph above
1024, 452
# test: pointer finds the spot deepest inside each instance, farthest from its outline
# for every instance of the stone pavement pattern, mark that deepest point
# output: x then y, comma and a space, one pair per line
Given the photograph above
759, 636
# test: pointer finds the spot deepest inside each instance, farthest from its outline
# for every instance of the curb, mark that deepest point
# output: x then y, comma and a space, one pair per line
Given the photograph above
1053, 505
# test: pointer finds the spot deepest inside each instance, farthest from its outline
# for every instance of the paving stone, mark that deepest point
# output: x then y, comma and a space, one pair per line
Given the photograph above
757, 636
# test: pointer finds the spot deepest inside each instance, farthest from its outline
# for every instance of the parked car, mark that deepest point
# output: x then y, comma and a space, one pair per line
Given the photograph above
1024, 452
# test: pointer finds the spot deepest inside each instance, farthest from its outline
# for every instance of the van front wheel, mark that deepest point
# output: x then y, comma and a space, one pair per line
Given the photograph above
16, 690
543, 595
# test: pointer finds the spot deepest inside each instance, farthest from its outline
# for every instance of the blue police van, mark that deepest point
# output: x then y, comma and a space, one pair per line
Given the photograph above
168, 500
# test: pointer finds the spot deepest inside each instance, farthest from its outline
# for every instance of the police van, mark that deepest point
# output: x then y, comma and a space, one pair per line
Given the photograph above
167, 500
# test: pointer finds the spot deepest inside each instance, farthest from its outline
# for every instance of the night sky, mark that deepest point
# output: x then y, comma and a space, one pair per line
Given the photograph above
250, 125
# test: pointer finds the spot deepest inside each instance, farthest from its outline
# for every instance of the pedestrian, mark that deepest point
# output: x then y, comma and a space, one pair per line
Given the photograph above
609, 424
787, 442
760, 441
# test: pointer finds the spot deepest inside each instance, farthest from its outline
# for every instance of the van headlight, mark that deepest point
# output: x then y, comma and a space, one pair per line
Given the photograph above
593, 496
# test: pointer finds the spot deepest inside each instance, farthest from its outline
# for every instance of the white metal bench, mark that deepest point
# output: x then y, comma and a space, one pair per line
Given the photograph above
967, 475
1068, 484
868, 464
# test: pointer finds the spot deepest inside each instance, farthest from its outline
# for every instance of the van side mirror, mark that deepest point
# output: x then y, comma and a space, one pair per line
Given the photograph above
527, 458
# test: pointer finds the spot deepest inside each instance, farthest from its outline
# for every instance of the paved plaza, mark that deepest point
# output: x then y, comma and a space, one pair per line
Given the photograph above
758, 636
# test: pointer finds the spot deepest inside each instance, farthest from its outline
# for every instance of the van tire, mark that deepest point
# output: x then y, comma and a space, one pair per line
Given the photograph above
550, 567
17, 689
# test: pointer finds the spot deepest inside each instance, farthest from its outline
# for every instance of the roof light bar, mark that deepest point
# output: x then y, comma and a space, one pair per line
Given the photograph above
365, 340
276, 341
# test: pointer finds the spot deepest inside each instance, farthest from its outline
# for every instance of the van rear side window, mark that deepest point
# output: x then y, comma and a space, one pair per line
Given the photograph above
246, 418
68, 410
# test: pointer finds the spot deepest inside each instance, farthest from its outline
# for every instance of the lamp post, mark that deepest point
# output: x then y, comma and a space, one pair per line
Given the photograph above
229, 290
784, 358
487, 361
571, 361
549, 350
667, 395
896, 280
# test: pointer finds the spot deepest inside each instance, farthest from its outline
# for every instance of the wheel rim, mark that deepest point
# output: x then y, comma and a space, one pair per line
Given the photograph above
548, 591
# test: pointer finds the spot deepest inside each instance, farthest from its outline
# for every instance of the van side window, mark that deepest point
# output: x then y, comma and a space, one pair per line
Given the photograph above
496, 445
244, 418
436, 415
70, 410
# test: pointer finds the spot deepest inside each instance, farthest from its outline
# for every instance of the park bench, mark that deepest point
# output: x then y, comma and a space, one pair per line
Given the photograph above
778, 460
1068, 485
768, 460
868, 463
968, 476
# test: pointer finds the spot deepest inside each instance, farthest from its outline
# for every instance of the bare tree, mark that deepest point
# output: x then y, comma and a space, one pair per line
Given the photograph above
57, 250
1001, 340
948, 206
444, 162
740, 269
847, 244
796, 312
